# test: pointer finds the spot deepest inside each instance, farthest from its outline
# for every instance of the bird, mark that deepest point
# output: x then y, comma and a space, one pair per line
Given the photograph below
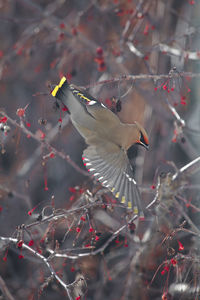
107, 139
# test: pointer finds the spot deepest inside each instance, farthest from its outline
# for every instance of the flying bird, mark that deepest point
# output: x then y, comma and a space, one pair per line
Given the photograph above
108, 140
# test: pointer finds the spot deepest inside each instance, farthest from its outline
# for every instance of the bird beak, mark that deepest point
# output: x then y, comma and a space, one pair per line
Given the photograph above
143, 145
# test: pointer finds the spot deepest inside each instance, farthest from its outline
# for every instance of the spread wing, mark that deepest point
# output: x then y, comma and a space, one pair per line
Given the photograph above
110, 165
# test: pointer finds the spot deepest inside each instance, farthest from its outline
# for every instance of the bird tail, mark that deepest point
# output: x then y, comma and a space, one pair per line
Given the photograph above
75, 101
63, 92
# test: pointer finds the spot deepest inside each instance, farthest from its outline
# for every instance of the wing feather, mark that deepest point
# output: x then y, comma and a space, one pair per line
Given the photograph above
110, 165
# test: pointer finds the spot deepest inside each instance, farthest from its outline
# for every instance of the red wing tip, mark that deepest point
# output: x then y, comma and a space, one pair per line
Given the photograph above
85, 158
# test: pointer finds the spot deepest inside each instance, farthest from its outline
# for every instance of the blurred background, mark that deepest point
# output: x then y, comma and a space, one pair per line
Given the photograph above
102, 46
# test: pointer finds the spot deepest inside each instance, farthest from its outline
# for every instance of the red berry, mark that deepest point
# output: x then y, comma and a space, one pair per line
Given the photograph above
20, 112
99, 51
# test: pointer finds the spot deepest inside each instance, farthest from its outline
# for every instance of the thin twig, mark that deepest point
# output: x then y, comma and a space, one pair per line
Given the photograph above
44, 260
45, 143
188, 169
155, 77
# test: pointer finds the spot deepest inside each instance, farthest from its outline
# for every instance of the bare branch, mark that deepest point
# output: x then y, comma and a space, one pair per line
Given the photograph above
43, 259
188, 169
45, 143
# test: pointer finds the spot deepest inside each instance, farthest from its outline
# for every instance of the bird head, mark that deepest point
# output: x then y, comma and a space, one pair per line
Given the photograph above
142, 137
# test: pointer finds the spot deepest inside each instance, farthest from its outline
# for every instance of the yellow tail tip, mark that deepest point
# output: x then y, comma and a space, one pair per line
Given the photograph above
55, 90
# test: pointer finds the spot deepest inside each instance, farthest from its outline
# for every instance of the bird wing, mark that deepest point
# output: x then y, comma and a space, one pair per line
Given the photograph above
110, 165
